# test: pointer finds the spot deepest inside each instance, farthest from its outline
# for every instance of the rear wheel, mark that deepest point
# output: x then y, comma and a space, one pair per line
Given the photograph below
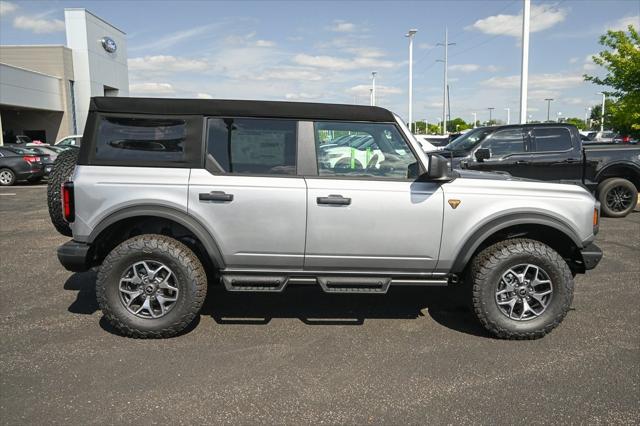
7, 177
62, 170
522, 289
617, 197
151, 286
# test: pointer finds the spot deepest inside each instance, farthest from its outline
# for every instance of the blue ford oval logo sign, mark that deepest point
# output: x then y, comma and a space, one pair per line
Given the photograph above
109, 44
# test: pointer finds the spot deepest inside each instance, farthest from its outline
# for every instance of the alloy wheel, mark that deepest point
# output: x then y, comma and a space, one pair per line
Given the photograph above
619, 198
524, 292
148, 289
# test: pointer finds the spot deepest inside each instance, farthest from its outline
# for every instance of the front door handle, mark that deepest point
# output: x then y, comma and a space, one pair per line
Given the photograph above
215, 196
522, 162
333, 199
572, 160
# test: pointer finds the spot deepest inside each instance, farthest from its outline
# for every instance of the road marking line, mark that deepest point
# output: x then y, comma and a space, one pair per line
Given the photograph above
6, 193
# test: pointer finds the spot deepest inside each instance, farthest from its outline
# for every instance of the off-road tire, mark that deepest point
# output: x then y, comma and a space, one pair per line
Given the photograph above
62, 170
486, 270
606, 186
12, 177
191, 281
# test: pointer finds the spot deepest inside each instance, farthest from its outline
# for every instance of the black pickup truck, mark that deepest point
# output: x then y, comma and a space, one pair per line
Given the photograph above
554, 152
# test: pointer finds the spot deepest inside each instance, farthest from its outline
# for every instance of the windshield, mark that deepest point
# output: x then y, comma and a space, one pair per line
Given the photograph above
469, 140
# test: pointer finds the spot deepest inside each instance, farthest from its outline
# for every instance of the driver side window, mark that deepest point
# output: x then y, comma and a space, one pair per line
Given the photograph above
363, 150
505, 142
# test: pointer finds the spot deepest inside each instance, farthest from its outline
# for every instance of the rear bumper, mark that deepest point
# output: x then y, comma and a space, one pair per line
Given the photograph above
591, 255
74, 256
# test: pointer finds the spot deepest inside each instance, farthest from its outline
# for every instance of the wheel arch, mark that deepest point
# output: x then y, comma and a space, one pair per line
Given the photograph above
148, 214
540, 227
621, 169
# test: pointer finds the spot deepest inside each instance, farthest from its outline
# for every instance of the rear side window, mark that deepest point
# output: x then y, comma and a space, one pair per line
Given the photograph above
552, 139
252, 146
141, 140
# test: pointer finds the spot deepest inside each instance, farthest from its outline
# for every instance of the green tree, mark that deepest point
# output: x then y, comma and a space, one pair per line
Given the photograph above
621, 61
458, 124
578, 122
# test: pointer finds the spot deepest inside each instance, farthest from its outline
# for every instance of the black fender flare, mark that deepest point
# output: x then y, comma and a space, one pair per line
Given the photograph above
497, 224
169, 213
634, 168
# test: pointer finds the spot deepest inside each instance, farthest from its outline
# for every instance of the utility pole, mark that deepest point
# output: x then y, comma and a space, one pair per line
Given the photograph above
587, 114
490, 111
371, 97
548, 106
445, 84
411, 34
524, 71
604, 97
426, 127
475, 119
373, 88
508, 115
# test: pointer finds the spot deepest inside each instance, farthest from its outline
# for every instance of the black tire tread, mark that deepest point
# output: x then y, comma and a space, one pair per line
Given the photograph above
193, 269
602, 190
487, 260
62, 170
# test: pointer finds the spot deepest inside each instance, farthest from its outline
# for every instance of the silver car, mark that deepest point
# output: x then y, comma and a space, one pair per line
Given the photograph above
170, 195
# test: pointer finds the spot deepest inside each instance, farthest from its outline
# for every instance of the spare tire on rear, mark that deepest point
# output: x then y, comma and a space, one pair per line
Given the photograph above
62, 170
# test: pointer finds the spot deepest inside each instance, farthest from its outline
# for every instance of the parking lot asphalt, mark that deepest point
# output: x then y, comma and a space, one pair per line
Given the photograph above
413, 356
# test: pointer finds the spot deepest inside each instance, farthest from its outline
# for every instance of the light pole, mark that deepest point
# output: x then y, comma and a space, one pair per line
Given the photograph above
475, 119
508, 115
411, 34
446, 45
548, 106
370, 96
426, 127
524, 70
373, 88
559, 117
490, 111
587, 114
604, 97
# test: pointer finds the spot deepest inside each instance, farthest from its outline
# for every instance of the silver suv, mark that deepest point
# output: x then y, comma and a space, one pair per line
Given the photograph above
169, 195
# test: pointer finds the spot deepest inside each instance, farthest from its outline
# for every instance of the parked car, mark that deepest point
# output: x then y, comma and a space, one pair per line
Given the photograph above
625, 139
554, 152
19, 164
248, 202
605, 136
47, 153
70, 141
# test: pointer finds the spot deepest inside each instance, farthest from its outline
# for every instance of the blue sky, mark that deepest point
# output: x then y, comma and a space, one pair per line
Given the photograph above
325, 51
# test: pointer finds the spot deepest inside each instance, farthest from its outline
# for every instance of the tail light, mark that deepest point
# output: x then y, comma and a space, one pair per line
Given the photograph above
68, 202
31, 159
626, 139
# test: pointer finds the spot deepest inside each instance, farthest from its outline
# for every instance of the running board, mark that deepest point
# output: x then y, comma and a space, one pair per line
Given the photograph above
255, 283
378, 285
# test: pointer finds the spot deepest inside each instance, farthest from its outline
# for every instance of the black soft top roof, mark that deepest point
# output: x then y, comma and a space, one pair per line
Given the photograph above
226, 107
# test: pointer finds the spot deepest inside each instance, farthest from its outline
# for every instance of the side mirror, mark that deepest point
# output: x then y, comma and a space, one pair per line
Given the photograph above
483, 154
439, 168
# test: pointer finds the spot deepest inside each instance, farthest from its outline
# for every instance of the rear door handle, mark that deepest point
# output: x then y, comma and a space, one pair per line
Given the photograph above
522, 162
215, 196
333, 199
572, 160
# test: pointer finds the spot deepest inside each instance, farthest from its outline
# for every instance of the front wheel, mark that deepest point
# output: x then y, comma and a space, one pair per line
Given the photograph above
7, 177
151, 286
522, 289
617, 197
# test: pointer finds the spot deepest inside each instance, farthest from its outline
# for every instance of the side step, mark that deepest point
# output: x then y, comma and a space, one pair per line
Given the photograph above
378, 285
253, 283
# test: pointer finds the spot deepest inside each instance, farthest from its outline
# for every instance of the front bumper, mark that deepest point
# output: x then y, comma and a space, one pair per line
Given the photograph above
591, 255
75, 256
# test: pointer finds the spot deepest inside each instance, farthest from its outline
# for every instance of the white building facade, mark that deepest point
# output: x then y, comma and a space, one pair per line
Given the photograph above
45, 90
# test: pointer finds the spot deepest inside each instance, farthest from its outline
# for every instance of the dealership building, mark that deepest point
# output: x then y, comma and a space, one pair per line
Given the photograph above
45, 89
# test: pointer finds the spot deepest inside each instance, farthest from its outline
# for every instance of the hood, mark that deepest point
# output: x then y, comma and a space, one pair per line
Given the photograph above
474, 174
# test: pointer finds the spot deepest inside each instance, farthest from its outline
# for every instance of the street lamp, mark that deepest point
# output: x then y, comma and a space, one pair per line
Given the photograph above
490, 112
548, 106
411, 34
475, 119
604, 97
587, 114
559, 117
508, 115
373, 88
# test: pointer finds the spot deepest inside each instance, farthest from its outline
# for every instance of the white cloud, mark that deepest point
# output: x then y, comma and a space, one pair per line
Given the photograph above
6, 7
340, 64
536, 81
363, 89
367, 52
588, 64
265, 43
623, 23
473, 68
341, 26
289, 73
38, 25
166, 64
175, 38
204, 96
574, 60
301, 96
542, 17
151, 89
